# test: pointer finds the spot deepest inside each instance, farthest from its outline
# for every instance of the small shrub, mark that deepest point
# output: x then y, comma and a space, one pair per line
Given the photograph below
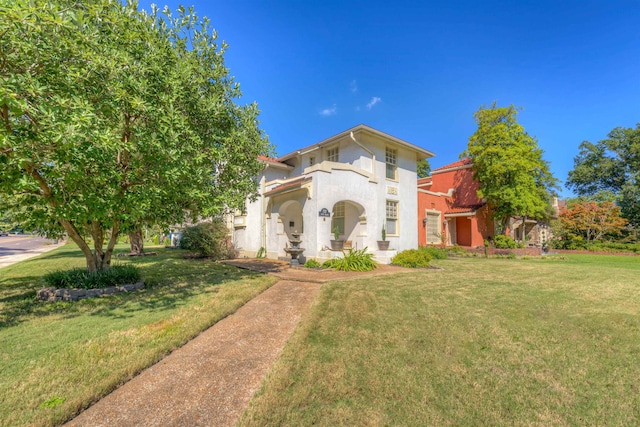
504, 242
312, 263
354, 260
209, 239
435, 252
80, 278
412, 258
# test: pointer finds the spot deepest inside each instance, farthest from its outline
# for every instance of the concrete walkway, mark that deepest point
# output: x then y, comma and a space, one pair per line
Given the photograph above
210, 380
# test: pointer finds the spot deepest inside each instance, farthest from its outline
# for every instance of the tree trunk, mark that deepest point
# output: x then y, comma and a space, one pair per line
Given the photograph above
73, 233
136, 241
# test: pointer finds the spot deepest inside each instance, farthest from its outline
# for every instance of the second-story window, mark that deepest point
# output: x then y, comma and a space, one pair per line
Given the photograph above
391, 158
333, 154
312, 161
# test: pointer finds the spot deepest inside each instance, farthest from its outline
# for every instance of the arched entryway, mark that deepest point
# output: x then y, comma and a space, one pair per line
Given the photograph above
349, 219
290, 213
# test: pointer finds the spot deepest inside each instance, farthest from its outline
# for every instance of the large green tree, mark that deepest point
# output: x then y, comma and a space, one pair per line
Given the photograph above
424, 168
508, 165
112, 118
612, 164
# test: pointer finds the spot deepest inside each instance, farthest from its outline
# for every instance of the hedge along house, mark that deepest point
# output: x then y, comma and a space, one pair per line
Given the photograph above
355, 182
449, 209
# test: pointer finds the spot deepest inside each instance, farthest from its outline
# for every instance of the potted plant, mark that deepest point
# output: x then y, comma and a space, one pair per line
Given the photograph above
337, 244
383, 244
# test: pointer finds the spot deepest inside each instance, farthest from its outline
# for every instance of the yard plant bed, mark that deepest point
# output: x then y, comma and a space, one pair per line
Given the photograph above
481, 342
58, 357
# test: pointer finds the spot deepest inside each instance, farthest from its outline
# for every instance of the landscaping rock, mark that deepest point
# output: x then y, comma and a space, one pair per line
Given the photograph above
52, 294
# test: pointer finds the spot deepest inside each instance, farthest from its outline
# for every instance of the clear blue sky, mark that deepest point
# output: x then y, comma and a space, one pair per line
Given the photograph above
418, 70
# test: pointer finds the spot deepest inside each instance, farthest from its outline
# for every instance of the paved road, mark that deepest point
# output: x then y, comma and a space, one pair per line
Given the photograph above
17, 248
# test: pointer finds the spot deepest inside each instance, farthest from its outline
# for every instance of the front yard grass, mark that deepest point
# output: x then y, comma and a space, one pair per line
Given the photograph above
480, 342
56, 358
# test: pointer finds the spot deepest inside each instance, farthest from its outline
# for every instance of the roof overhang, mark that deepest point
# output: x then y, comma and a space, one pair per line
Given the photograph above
421, 153
300, 183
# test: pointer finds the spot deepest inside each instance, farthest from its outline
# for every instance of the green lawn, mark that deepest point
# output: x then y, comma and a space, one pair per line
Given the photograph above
56, 358
481, 342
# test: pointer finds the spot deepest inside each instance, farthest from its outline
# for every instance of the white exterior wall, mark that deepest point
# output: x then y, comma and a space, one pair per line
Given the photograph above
356, 180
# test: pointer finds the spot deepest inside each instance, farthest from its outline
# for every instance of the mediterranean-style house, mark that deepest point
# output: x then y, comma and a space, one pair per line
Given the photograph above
451, 213
354, 183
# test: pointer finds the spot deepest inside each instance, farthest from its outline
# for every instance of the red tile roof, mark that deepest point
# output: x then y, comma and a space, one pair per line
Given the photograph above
287, 186
463, 209
463, 162
271, 160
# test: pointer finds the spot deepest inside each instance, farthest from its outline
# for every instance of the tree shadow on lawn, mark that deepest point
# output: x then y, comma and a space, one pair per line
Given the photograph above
167, 287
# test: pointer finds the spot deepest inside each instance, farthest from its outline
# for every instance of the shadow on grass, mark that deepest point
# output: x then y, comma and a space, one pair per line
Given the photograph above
170, 281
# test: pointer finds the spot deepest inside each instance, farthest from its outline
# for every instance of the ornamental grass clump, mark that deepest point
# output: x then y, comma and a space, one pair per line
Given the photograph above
354, 260
81, 278
412, 258
312, 263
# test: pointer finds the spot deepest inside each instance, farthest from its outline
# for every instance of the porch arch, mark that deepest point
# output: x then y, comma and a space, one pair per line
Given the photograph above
350, 218
290, 213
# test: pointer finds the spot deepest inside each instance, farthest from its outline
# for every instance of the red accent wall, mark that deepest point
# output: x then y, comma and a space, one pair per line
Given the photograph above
470, 233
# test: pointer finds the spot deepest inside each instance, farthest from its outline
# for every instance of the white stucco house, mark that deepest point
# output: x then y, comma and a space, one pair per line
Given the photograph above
356, 181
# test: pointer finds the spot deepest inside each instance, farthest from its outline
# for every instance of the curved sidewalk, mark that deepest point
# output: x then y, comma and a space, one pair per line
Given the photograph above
211, 379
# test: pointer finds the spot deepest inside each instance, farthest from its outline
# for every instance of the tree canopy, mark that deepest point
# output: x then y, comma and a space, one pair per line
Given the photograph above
424, 168
508, 165
612, 164
590, 220
113, 117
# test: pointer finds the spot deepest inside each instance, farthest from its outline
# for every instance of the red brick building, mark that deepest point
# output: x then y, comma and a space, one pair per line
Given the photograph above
449, 210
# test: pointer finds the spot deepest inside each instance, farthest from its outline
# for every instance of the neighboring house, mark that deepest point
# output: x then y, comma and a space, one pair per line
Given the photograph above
451, 213
449, 209
357, 182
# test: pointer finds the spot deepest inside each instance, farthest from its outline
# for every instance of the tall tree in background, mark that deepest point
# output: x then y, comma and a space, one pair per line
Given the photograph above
613, 164
112, 118
508, 164
424, 168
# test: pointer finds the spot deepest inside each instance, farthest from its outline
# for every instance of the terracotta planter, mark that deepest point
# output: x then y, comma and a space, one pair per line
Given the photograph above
337, 245
383, 245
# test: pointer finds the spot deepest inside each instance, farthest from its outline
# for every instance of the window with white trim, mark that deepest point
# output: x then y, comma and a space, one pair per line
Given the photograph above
391, 225
434, 233
337, 219
333, 154
391, 159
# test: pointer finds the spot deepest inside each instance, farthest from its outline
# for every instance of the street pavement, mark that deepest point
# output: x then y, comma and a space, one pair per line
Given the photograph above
17, 248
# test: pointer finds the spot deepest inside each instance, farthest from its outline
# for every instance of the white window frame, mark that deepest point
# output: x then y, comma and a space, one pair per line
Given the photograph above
333, 154
391, 163
337, 218
436, 238
392, 208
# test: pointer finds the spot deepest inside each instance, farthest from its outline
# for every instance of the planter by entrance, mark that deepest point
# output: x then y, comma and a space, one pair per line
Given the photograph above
337, 245
383, 245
